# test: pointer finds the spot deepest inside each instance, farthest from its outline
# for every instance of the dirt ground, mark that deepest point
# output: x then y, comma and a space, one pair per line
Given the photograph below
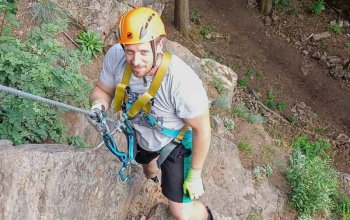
246, 42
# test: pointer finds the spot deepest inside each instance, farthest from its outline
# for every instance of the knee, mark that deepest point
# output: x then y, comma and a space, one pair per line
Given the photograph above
150, 170
188, 211
179, 213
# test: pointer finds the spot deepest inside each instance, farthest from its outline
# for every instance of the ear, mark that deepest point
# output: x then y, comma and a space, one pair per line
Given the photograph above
160, 45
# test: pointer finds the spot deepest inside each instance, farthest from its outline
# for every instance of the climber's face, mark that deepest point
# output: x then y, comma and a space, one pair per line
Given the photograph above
140, 58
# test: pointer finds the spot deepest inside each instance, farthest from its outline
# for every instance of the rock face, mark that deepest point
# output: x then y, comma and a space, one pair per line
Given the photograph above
228, 181
60, 182
102, 15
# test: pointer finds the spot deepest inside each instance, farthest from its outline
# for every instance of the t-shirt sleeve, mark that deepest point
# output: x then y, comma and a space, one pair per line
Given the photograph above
190, 97
112, 59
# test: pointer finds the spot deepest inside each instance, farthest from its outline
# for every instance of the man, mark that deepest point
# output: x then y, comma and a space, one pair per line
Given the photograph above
180, 100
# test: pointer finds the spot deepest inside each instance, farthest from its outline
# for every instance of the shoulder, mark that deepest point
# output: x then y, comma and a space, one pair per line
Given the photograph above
115, 52
179, 71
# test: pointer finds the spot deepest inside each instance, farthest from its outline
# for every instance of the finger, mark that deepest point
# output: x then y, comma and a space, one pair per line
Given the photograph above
184, 188
190, 194
195, 196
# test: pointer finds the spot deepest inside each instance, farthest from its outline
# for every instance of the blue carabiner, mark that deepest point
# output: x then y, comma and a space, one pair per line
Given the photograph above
126, 172
111, 145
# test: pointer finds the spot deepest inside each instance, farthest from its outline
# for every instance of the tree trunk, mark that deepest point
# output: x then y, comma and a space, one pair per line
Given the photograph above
182, 16
265, 7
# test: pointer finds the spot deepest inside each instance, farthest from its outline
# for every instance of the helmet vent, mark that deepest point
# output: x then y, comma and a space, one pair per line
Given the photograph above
143, 32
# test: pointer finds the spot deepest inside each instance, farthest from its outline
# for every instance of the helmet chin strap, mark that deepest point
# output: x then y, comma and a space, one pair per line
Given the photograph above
153, 46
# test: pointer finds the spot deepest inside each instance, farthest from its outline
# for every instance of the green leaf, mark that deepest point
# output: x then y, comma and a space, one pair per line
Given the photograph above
11, 18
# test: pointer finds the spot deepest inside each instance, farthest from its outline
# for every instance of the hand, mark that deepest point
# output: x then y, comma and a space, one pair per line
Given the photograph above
99, 114
193, 185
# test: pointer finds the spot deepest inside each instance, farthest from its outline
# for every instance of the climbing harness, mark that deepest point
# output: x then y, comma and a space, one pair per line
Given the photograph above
143, 106
127, 170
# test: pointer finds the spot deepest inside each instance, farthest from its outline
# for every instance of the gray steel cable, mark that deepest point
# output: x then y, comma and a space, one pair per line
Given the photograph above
48, 101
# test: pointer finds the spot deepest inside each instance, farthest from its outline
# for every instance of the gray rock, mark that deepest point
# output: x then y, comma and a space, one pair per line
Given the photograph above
60, 182
334, 59
185, 54
102, 15
226, 180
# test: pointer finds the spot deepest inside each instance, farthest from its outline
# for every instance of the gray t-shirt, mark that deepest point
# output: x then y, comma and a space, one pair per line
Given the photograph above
180, 96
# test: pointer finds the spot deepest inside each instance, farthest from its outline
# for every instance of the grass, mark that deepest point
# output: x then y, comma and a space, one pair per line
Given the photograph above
266, 154
217, 58
45, 11
245, 147
240, 111
219, 85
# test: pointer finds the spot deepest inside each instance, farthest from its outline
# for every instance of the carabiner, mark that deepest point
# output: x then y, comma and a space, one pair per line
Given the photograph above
126, 172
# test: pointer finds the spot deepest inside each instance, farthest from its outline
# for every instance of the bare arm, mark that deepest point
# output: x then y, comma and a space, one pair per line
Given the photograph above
102, 94
201, 138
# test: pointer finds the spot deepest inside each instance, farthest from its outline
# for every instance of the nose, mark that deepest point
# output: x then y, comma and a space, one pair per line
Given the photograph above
136, 59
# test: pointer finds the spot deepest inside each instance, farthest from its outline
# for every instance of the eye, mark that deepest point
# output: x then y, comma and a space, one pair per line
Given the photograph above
129, 52
144, 52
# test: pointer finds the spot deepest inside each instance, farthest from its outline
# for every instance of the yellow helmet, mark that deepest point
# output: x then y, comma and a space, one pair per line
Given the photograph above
139, 25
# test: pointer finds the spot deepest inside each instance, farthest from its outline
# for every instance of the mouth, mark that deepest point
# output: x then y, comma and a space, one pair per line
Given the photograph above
136, 67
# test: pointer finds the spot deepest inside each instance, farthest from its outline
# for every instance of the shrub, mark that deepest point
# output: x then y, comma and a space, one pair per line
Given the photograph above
259, 74
342, 206
229, 124
242, 82
281, 106
314, 183
223, 102
249, 73
271, 103
42, 66
9, 10
312, 148
256, 118
90, 41
260, 171
195, 16
335, 27
317, 7
77, 141
206, 30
